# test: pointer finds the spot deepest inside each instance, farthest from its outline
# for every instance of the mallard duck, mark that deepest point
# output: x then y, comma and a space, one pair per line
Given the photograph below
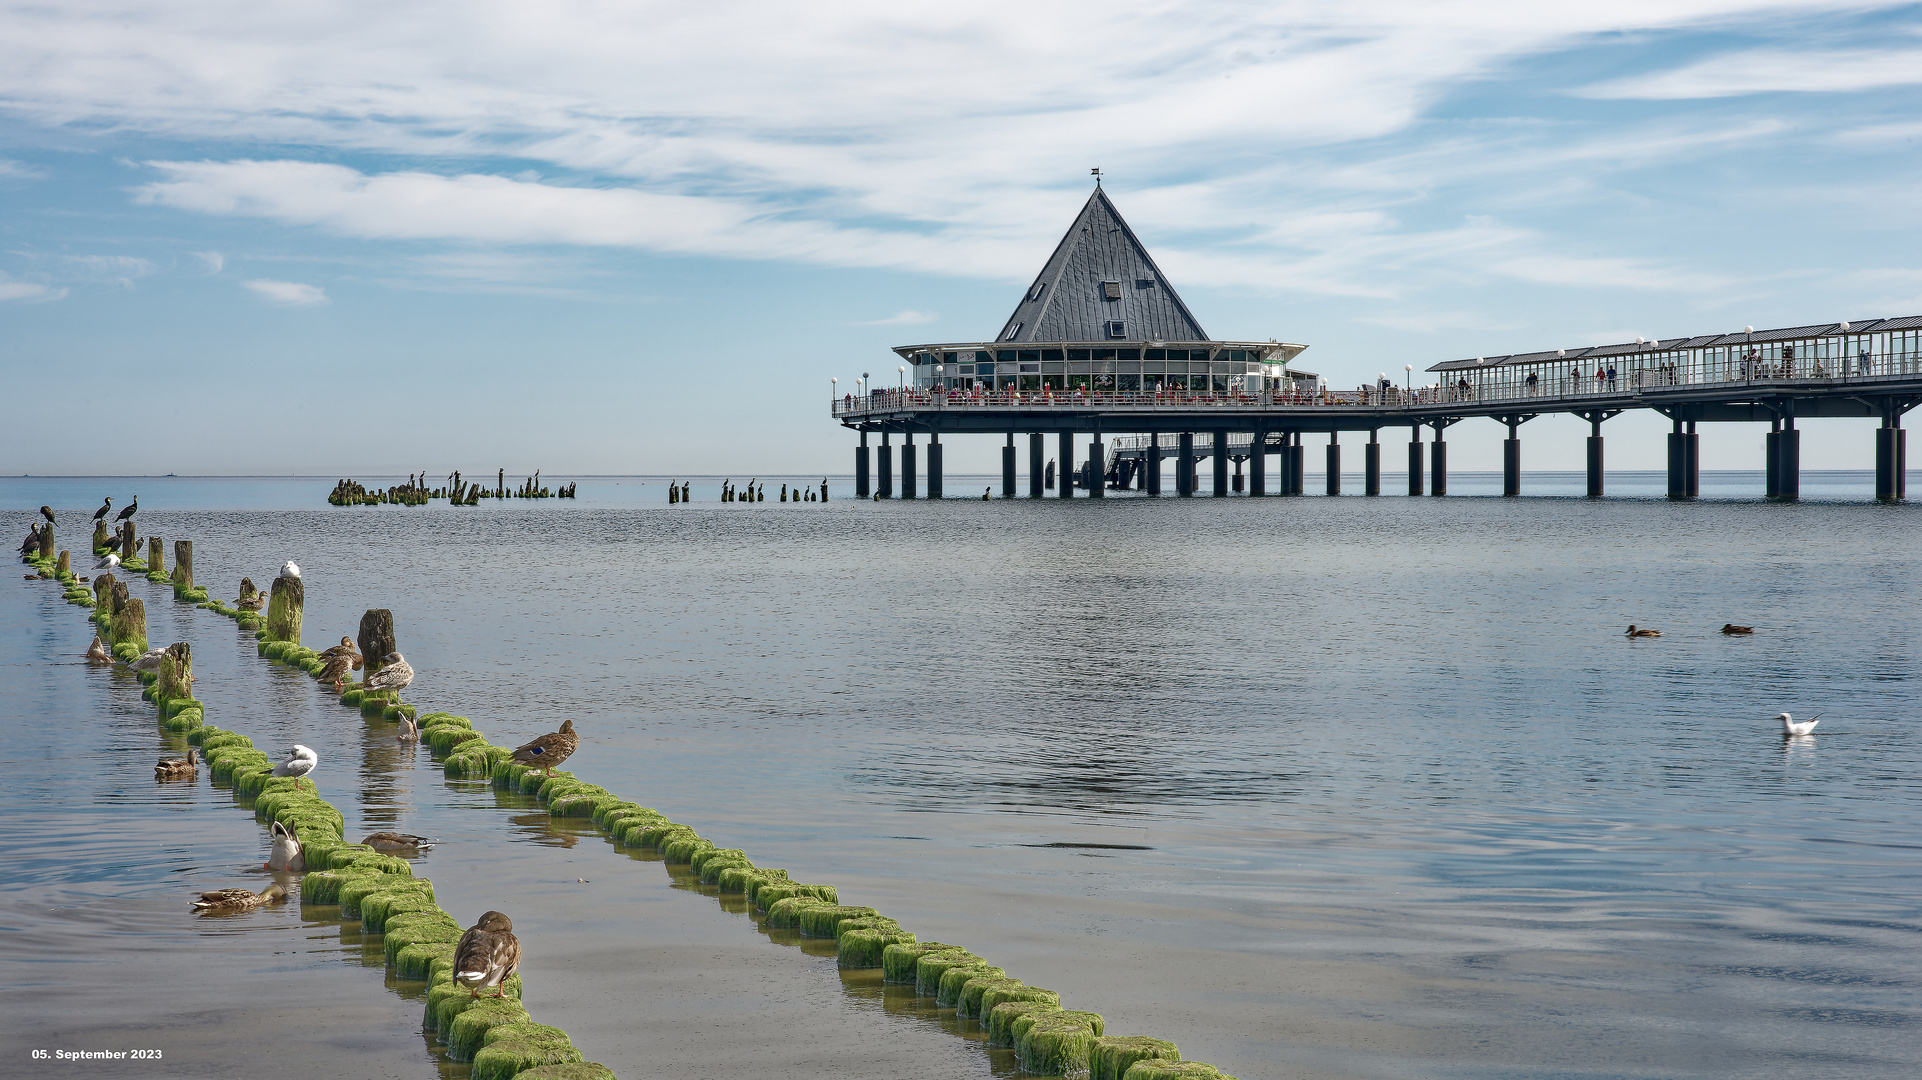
409, 729
300, 761
171, 768
551, 749
395, 676
337, 670
1634, 632
1792, 726
1731, 628
488, 954
287, 854
345, 647
229, 900
252, 603
97, 653
399, 841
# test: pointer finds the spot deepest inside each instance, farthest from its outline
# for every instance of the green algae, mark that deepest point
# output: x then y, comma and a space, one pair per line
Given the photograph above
682, 848
824, 920
438, 719
997, 995
967, 1003
509, 1048
931, 968
606, 816
414, 961
468, 1028
864, 948
212, 738
701, 858
1002, 1015
385, 900
474, 761
428, 928
350, 698
734, 878
445, 738
1056, 1043
627, 830
580, 1070
775, 892
580, 802
1155, 1069
323, 887
786, 912
955, 978
899, 960
1111, 1056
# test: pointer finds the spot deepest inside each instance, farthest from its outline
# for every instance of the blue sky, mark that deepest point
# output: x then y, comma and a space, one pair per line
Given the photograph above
350, 238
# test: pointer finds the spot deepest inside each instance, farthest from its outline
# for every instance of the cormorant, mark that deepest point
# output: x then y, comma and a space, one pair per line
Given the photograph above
104, 507
132, 508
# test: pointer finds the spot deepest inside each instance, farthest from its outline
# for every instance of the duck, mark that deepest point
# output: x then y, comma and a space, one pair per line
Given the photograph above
336, 670
345, 648
399, 841
409, 729
1731, 628
1633, 631
149, 660
550, 749
252, 603
300, 762
395, 676
287, 854
97, 652
230, 900
173, 768
487, 955
1792, 726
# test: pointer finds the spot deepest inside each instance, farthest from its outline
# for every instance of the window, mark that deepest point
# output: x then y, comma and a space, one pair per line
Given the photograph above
1013, 332
1035, 293
1117, 329
1111, 290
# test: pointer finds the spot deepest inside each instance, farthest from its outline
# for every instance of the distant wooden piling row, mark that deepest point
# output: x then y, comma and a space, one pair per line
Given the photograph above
458, 492
678, 491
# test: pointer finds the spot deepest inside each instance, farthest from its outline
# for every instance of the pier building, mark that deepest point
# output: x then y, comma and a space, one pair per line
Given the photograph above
1101, 344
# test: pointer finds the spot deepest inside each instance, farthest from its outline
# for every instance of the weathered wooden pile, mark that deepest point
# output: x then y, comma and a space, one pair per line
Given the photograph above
458, 491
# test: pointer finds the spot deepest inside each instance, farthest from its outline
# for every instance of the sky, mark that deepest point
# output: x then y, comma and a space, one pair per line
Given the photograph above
592, 238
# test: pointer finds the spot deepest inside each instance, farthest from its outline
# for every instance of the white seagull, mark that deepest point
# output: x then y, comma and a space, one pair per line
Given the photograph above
107, 562
1791, 726
300, 761
289, 570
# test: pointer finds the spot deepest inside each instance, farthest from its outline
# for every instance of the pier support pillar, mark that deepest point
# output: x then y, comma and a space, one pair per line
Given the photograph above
1220, 464
1692, 461
1595, 455
1297, 465
1097, 468
1788, 476
1678, 463
1772, 461
1007, 467
1153, 463
1512, 457
884, 457
1414, 460
1438, 464
1185, 465
1890, 461
1066, 473
1037, 447
1258, 463
907, 467
1371, 466
1334, 463
861, 475
934, 465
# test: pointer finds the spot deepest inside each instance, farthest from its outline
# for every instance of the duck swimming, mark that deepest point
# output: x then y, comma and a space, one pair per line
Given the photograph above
287, 854
97, 652
399, 841
223, 901
178, 768
1731, 628
1633, 631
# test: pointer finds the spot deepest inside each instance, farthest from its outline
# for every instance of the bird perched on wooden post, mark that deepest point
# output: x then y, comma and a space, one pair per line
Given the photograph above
287, 854
107, 562
230, 900
488, 954
550, 749
104, 507
336, 670
300, 762
47, 512
131, 509
289, 570
32, 543
395, 676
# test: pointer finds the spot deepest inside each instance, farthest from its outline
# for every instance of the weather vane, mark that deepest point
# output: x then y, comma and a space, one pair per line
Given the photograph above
1097, 176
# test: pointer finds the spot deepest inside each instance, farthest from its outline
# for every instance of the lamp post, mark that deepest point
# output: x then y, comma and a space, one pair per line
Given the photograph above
1408, 376
900, 377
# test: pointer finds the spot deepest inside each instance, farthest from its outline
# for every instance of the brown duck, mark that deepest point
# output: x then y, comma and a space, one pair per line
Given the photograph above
337, 669
222, 901
1731, 628
345, 648
175, 768
550, 749
488, 954
399, 841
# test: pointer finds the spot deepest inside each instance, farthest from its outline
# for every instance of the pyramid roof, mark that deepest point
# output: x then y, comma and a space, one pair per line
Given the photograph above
1101, 275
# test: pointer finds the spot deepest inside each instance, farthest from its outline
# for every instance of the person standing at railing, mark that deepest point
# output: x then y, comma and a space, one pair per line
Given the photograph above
1788, 361
1862, 363
1531, 383
1611, 377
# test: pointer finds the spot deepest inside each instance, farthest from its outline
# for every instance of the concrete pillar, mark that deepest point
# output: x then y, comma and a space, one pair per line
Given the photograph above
1512, 460
1065, 473
1371, 466
1677, 463
1007, 467
861, 475
1258, 463
1772, 461
1438, 465
884, 457
934, 465
1153, 463
1185, 465
1885, 440
1291, 463
1037, 448
1788, 479
1097, 468
1595, 466
1692, 456
1334, 463
1220, 463
1414, 460
907, 466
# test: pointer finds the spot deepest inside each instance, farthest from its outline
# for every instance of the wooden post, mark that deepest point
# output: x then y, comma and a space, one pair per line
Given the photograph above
127, 544
101, 537
176, 674
64, 567
156, 556
46, 541
129, 618
376, 639
103, 599
184, 564
284, 610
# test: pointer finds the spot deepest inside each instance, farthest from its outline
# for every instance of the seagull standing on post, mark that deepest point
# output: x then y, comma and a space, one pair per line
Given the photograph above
300, 762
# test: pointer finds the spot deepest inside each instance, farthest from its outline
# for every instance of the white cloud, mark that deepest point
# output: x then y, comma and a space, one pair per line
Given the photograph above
212, 261
287, 293
19, 170
111, 269
31, 291
903, 318
1770, 71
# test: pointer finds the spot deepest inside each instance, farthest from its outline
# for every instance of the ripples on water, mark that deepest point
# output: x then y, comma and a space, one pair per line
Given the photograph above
1356, 788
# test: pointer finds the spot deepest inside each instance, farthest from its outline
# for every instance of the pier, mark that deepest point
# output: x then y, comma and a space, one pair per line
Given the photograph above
1103, 355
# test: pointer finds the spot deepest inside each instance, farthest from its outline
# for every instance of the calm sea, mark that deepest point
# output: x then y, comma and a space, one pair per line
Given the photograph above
1316, 788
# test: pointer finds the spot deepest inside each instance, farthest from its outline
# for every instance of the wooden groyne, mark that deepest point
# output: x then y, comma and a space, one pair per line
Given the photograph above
457, 491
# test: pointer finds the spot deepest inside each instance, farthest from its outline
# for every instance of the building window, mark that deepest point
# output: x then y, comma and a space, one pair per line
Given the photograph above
1013, 332
1111, 290
1117, 328
1035, 293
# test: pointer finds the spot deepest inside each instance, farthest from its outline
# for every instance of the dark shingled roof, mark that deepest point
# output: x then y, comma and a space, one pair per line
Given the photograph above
1073, 297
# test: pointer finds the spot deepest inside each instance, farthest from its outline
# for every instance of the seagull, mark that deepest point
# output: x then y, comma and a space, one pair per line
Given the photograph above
300, 761
104, 507
1731, 628
132, 509
107, 562
47, 512
97, 653
289, 570
288, 854
395, 676
1633, 632
488, 954
1791, 726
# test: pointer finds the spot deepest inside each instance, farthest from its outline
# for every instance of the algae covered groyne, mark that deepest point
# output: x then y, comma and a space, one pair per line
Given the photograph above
1046, 1035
